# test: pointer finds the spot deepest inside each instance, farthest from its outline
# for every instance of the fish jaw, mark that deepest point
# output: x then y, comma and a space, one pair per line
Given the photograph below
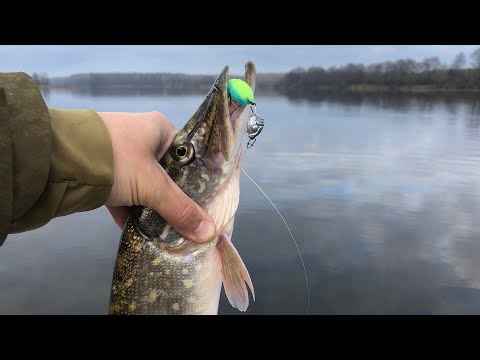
214, 128
216, 132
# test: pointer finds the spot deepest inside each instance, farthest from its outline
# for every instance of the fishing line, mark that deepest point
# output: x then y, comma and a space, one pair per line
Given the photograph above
291, 234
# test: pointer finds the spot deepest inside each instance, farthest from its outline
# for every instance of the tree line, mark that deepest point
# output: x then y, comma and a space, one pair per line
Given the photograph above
154, 81
403, 74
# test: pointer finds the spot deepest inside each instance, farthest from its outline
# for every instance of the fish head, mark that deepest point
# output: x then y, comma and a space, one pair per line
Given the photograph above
206, 153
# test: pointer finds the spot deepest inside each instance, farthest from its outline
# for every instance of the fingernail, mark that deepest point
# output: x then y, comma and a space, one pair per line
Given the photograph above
204, 231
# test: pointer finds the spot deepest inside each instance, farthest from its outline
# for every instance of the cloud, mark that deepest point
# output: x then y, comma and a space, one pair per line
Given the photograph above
59, 60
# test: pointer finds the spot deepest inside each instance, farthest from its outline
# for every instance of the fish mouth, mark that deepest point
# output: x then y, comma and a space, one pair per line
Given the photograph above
219, 125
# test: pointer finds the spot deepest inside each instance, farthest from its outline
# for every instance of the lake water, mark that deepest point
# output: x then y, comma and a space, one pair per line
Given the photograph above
381, 192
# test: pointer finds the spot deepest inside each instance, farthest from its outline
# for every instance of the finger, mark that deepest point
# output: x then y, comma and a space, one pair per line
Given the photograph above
119, 214
166, 198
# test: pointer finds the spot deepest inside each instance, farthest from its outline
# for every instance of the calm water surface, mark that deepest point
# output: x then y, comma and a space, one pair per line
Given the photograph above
381, 192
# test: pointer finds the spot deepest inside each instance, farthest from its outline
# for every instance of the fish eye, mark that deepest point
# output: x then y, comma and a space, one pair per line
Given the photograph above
183, 152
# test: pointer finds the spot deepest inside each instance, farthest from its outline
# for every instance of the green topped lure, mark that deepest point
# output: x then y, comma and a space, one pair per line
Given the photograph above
240, 91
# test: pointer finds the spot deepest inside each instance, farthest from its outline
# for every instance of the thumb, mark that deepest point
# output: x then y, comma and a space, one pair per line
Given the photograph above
167, 199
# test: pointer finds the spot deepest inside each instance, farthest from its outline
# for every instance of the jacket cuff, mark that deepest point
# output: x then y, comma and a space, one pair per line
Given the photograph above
81, 168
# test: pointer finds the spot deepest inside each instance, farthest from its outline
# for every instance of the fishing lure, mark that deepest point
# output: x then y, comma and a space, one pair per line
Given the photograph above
254, 127
242, 93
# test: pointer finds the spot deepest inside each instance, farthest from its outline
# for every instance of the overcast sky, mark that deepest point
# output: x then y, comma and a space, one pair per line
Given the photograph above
60, 60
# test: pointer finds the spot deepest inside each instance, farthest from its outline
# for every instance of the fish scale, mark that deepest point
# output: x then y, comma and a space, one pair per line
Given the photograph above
152, 281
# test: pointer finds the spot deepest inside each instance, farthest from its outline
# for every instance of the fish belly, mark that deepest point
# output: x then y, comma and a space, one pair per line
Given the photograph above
150, 280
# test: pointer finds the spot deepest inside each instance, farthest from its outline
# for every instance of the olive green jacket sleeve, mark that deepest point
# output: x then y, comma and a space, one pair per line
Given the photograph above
53, 162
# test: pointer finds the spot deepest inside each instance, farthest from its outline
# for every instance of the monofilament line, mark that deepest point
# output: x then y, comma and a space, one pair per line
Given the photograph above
291, 234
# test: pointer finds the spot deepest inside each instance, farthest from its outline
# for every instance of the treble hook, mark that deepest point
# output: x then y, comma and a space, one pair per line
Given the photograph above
255, 126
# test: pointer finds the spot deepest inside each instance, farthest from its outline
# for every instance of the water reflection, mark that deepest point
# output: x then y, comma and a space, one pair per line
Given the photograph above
381, 192
399, 101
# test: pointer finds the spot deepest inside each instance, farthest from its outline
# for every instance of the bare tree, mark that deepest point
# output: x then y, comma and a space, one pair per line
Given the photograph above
431, 63
44, 79
41, 79
475, 56
36, 77
460, 61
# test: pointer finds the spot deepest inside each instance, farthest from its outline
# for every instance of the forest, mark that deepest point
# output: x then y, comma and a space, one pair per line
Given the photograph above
404, 74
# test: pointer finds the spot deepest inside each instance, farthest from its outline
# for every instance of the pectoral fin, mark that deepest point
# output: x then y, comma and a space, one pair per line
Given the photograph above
234, 274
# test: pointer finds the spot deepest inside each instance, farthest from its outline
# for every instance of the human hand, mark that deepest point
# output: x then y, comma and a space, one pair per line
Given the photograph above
139, 140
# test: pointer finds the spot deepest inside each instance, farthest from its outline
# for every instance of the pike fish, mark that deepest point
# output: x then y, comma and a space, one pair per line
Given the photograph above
159, 272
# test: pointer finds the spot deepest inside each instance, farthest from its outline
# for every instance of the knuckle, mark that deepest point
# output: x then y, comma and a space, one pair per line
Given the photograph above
161, 122
158, 116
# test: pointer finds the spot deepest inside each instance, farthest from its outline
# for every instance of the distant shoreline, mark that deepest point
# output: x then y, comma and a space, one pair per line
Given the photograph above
63, 86
366, 88
411, 89
321, 89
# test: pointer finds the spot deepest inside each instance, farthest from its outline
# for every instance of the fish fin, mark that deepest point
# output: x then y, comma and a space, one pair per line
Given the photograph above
235, 274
